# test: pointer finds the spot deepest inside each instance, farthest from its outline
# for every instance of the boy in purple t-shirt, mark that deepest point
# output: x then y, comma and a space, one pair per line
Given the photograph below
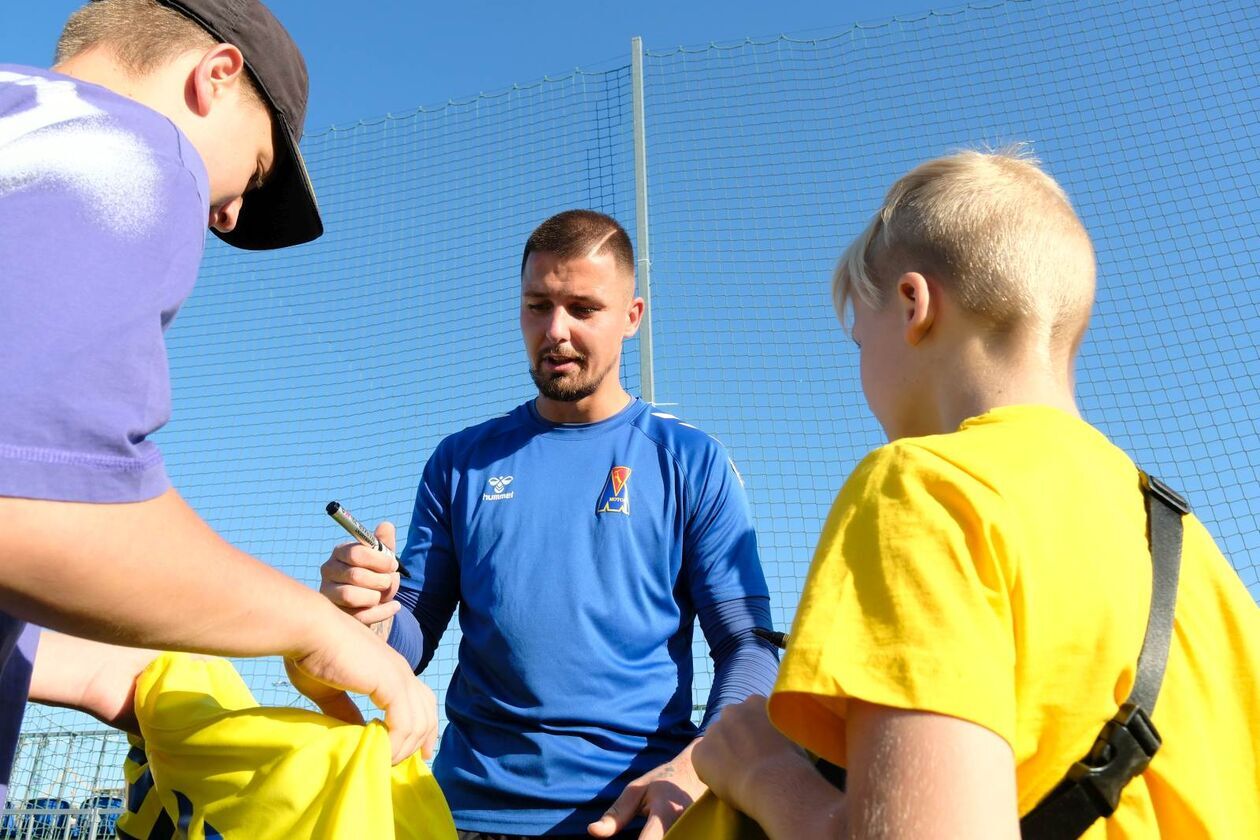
158, 117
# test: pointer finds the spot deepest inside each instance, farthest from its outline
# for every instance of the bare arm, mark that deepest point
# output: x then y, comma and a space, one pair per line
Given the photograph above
915, 774
910, 774
153, 574
149, 574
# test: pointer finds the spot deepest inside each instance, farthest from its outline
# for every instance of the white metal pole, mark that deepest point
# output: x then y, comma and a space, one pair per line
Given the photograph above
647, 381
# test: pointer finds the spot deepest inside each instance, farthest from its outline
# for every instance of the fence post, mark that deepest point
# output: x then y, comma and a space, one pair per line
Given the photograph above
647, 381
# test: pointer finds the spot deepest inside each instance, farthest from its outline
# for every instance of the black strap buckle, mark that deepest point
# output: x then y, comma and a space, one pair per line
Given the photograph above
1124, 750
1165, 494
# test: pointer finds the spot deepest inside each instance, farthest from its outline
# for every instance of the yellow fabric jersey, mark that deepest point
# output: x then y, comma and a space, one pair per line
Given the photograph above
1001, 574
214, 764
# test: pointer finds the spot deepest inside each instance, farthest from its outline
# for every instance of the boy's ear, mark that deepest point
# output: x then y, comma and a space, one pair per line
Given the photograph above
917, 304
218, 71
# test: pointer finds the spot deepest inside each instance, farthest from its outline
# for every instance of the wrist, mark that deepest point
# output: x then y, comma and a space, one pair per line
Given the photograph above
773, 778
318, 628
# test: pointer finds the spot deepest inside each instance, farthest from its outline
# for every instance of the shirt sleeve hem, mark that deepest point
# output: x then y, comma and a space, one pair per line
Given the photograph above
81, 480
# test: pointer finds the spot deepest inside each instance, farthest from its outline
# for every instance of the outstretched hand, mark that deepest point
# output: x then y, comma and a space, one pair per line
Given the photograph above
661, 795
349, 658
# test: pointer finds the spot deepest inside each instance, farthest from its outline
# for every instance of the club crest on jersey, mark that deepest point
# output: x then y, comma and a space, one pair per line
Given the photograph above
499, 485
615, 497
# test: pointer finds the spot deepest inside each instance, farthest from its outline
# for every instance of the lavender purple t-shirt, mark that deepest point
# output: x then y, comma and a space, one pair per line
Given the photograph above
103, 213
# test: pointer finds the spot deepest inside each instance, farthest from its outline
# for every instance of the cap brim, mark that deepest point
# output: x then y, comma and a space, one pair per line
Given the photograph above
283, 211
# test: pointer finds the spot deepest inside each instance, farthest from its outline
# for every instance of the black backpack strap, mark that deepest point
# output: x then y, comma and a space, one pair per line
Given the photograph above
1129, 740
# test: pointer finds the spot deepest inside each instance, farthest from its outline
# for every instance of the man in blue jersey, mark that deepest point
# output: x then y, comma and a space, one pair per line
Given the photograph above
580, 535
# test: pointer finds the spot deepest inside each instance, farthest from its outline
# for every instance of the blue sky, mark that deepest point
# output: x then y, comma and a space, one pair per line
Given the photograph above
376, 57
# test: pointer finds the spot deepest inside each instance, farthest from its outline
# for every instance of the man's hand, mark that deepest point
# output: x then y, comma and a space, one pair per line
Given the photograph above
661, 794
349, 657
361, 581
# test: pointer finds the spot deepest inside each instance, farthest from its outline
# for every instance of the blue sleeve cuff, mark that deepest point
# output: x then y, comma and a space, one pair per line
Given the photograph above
406, 637
743, 664
419, 625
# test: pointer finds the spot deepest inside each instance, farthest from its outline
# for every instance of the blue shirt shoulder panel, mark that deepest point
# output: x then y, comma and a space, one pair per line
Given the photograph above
720, 548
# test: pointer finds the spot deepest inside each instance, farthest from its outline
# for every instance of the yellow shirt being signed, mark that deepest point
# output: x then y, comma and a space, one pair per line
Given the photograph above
215, 764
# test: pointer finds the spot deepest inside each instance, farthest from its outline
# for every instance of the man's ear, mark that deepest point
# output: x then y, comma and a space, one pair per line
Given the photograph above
917, 304
214, 76
634, 317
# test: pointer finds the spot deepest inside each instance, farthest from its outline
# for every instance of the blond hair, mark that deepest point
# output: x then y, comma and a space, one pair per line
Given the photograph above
141, 34
994, 229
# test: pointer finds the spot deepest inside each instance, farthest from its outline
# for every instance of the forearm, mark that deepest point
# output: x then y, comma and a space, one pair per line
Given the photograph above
743, 665
150, 574
419, 625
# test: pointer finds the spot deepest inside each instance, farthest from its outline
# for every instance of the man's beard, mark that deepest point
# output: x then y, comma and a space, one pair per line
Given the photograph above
567, 388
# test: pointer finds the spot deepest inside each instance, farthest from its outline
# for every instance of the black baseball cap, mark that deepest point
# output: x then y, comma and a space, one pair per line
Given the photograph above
283, 211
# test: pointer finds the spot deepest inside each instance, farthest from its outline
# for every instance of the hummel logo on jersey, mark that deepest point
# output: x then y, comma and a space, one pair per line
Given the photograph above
498, 484
615, 497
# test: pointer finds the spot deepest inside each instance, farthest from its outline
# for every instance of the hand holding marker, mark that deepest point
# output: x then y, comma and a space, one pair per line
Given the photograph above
365, 537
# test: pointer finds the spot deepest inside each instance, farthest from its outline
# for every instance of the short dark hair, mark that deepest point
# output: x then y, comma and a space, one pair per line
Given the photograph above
142, 34
574, 233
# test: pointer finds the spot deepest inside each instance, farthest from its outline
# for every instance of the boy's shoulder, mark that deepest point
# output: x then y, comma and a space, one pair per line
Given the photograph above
1006, 452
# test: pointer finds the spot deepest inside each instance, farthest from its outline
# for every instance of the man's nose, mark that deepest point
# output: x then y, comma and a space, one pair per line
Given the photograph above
223, 218
558, 326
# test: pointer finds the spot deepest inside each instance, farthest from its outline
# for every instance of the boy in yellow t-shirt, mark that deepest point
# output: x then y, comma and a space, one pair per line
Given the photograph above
981, 589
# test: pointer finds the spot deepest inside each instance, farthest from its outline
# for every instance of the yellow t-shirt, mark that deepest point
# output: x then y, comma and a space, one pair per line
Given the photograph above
1001, 574
215, 764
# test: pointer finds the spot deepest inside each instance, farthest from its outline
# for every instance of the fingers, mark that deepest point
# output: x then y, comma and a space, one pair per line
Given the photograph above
353, 554
331, 701
350, 658
655, 827
385, 533
428, 740
340, 706
353, 588
376, 614
350, 598
622, 811
411, 718
336, 572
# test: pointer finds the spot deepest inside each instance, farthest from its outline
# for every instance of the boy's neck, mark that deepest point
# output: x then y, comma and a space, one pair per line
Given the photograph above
982, 379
